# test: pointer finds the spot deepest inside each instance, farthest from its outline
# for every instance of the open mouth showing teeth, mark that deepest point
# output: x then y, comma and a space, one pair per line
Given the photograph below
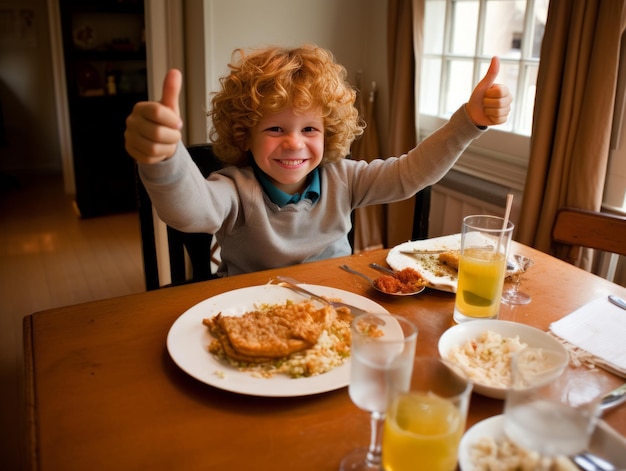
291, 163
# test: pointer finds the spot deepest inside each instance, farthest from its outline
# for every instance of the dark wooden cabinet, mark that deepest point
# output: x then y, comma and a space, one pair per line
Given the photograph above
105, 68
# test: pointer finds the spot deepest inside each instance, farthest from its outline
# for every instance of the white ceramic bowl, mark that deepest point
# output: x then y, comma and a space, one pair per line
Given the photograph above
461, 333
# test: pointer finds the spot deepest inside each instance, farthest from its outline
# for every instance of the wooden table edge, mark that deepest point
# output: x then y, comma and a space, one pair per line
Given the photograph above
31, 461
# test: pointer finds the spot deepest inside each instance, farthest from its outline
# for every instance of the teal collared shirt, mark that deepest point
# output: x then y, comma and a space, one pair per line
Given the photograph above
312, 191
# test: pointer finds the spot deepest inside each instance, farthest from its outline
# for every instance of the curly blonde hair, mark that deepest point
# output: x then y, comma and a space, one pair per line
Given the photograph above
272, 79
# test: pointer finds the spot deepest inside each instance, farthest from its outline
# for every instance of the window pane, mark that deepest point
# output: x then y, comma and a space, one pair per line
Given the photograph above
430, 86
527, 102
504, 28
539, 25
434, 27
464, 27
459, 86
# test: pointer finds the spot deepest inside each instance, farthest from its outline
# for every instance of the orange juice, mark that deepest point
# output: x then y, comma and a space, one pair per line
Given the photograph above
481, 276
422, 431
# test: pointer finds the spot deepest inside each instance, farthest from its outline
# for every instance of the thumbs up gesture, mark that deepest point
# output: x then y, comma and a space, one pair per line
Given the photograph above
153, 128
490, 102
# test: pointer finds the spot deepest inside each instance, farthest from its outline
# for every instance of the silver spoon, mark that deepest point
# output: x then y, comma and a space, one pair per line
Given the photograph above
373, 282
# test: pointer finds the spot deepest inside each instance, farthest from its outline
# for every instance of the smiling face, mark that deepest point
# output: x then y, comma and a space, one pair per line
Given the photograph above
288, 146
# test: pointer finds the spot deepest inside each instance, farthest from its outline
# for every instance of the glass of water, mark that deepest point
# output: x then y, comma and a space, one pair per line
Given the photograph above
382, 353
546, 410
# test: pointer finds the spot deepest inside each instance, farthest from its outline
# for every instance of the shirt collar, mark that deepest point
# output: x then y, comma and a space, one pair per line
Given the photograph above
279, 197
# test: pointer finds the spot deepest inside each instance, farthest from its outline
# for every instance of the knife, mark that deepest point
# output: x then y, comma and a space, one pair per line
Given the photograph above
619, 302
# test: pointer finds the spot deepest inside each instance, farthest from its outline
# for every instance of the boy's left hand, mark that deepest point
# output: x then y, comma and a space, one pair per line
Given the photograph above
490, 102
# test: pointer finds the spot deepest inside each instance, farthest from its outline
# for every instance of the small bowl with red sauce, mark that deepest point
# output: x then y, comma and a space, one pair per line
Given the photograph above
405, 282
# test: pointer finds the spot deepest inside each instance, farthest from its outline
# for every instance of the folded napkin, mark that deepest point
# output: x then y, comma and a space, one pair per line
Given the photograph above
599, 328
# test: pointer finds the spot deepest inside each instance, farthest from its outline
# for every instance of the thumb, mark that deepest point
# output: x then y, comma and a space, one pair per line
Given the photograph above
171, 90
491, 75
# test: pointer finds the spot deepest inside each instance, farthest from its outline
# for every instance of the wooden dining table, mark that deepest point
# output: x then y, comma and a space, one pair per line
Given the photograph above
103, 392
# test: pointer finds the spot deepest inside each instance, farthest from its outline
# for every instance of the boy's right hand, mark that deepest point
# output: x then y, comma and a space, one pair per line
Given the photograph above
153, 128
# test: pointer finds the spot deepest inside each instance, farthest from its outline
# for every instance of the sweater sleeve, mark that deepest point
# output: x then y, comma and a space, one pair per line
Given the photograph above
399, 178
437, 153
182, 198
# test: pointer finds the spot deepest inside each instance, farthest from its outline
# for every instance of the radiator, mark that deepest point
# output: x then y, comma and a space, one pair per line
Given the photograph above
458, 195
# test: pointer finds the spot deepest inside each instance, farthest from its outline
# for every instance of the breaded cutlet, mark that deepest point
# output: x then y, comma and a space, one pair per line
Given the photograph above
260, 336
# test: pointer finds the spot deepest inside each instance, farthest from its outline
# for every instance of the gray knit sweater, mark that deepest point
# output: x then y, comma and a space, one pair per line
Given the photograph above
256, 234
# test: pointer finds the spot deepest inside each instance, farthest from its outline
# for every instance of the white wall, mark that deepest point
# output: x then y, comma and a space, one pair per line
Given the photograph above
26, 89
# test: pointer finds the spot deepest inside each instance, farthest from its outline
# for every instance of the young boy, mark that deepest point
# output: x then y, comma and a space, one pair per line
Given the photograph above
283, 122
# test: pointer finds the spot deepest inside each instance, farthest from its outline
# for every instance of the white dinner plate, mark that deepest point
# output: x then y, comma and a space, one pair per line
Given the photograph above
188, 341
437, 276
605, 441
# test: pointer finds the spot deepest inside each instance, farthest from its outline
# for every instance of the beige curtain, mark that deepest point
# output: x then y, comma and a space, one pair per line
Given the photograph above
369, 221
402, 42
574, 106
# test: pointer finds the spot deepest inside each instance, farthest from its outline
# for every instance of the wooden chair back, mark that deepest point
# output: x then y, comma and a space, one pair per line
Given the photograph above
592, 229
199, 249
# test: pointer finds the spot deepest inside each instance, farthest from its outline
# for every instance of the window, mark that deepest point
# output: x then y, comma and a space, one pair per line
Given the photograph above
461, 37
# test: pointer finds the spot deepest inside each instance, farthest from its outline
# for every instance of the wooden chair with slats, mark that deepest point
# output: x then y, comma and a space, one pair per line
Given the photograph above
593, 229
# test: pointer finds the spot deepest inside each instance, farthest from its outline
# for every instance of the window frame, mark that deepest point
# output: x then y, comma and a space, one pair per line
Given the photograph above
502, 154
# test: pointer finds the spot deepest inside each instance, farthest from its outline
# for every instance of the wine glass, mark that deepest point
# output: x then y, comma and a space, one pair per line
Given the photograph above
383, 347
512, 295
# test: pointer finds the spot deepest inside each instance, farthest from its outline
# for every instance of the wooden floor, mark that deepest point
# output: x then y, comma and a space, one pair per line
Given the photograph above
49, 257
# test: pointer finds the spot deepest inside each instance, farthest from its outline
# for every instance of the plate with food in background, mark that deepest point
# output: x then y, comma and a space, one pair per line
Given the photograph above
436, 260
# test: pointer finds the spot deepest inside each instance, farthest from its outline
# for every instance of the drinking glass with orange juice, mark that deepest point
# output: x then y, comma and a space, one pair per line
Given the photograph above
485, 244
425, 423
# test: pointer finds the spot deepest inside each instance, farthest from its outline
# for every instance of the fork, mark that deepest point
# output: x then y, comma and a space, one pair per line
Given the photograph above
294, 285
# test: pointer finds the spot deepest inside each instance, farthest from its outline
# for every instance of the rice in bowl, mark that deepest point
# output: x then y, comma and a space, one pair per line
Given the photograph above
484, 348
487, 358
